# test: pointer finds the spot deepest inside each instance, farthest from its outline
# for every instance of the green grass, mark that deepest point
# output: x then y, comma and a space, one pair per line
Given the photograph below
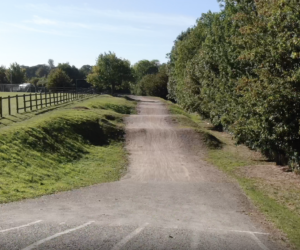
14, 117
231, 158
58, 97
68, 148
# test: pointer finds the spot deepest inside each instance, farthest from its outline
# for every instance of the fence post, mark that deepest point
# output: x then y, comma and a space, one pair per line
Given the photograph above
1, 114
9, 108
24, 100
60, 97
17, 102
50, 98
36, 102
30, 101
46, 99
41, 98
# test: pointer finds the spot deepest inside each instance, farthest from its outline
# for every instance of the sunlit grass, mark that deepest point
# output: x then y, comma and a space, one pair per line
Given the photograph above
64, 149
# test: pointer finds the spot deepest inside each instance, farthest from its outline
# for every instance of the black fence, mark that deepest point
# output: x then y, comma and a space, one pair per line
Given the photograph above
11, 105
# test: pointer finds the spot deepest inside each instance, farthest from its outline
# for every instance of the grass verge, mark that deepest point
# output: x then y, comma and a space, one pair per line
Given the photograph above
233, 159
68, 148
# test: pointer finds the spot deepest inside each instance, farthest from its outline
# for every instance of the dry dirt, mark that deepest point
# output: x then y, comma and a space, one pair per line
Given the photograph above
169, 199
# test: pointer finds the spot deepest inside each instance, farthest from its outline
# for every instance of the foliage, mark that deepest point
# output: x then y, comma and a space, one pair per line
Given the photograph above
111, 73
3, 78
42, 71
58, 79
72, 72
34, 81
43, 81
16, 74
240, 68
278, 201
145, 67
154, 84
85, 70
51, 64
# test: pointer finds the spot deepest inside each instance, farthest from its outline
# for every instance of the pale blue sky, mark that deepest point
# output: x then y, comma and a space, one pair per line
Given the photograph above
32, 31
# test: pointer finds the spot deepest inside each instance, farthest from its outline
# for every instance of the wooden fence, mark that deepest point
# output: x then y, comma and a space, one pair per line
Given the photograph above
17, 104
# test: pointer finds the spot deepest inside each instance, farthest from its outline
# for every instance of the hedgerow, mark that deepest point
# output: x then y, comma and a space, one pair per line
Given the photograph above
240, 69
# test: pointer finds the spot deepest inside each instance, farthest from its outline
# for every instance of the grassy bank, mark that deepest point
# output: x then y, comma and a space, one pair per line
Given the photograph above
75, 146
277, 198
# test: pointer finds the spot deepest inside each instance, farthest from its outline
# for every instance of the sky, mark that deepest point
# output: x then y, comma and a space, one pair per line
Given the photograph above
33, 31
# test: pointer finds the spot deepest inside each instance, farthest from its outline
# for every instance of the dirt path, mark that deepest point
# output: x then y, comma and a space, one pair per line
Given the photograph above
169, 199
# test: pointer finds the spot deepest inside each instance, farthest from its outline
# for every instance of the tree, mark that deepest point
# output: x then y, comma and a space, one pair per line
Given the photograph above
145, 67
58, 79
110, 73
3, 78
34, 81
51, 64
16, 74
85, 70
71, 71
240, 68
154, 84
42, 71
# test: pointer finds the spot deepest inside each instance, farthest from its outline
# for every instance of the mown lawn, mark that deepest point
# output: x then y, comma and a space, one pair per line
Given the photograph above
30, 106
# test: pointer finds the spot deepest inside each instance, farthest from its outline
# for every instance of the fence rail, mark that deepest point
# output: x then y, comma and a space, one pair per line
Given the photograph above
17, 104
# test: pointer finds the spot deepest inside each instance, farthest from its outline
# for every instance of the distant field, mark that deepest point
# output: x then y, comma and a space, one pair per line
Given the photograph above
21, 102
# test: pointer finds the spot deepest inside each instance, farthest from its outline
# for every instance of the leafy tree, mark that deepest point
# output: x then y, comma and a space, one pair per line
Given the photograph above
43, 82
34, 81
145, 67
71, 71
240, 69
85, 70
16, 74
3, 78
154, 84
110, 73
58, 79
42, 71
51, 64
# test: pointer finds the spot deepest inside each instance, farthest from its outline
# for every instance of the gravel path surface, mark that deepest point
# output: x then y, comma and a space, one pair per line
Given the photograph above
169, 199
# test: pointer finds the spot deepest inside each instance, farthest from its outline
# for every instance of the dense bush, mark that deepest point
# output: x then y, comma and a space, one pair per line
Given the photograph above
240, 68
154, 84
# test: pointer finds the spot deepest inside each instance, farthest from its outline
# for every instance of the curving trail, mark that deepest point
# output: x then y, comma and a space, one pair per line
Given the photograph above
169, 199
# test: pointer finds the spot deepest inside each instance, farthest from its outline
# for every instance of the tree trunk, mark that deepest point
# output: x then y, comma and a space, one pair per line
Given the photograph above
112, 89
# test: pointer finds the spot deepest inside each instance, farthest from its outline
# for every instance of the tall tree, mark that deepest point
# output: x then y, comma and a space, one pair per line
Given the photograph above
51, 64
145, 67
71, 71
85, 70
110, 72
42, 71
58, 79
3, 78
16, 74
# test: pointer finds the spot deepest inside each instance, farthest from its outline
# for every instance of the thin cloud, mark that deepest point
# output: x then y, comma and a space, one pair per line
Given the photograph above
61, 25
41, 21
143, 17
31, 29
137, 17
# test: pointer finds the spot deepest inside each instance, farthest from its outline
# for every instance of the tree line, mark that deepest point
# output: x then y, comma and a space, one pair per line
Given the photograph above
46, 75
240, 69
114, 74
111, 74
